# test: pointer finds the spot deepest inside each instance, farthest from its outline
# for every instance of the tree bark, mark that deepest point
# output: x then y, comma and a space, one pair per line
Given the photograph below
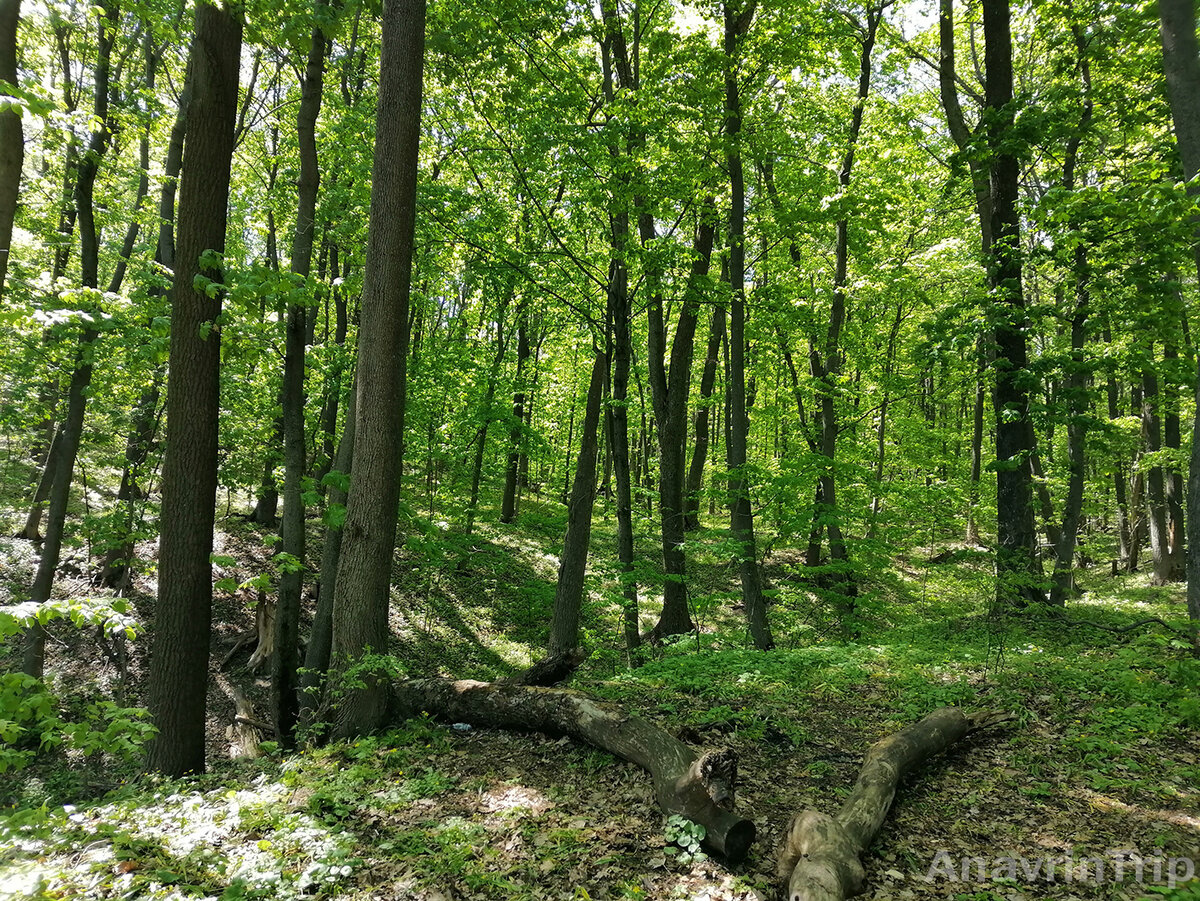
568, 595
741, 516
699, 788
821, 856
1181, 64
285, 700
1018, 574
702, 421
508, 504
12, 142
360, 609
1155, 489
183, 620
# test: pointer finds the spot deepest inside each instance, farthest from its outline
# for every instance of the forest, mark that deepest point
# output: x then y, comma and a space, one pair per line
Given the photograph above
543, 449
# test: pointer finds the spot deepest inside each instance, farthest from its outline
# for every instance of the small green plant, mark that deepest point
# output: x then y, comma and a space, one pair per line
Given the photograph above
686, 836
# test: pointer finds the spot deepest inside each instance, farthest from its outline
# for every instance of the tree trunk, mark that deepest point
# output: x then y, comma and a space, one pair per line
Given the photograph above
701, 422
12, 142
508, 505
1018, 574
821, 856
568, 595
285, 701
320, 641
741, 516
699, 788
1155, 489
183, 619
489, 397
1172, 478
1181, 63
360, 605
81, 377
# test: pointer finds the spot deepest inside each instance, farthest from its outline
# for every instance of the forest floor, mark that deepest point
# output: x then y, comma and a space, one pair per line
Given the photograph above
1102, 761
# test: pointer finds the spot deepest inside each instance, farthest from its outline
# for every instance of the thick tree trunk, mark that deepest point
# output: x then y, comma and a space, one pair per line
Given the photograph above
183, 619
12, 142
821, 855
1181, 63
360, 608
1018, 573
699, 788
568, 596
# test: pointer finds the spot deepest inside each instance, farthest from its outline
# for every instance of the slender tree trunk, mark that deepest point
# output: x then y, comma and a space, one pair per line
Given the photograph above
881, 428
1172, 478
701, 421
489, 397
183, 619
568, 596
12, 141
320, 642
508, 506
285, 701
81, 377
1155, 490
741, 516
364, 575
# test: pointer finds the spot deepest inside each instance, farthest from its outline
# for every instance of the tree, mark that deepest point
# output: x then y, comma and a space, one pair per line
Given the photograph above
741, 517
360, 604
1017, 571
1181, 63
183, 619
12, 144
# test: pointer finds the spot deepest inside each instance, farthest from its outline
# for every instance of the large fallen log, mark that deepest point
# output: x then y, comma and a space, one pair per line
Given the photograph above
699, 787
821, 855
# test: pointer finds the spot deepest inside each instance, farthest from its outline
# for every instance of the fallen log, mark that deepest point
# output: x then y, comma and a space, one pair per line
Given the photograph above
821, 855
698, 787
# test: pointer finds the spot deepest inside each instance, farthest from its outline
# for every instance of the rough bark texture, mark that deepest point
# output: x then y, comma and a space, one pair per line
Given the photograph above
568, 595
1181, 63
1017, 575
697, 787
364, 575
183, 617
821, 855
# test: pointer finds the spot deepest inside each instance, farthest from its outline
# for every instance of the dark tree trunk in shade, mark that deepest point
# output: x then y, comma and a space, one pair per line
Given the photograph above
285, 663
1018, 575
485, 414
1172, 478
12, 142
1155, 489
1075, 389
183, 618
702, 421
568, 595
741, 516
320, 641
360, 608
508, 505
